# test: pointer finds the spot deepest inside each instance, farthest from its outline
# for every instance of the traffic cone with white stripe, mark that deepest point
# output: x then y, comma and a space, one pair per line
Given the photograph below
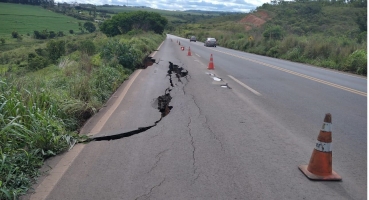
320, 165
189, 51
211, 63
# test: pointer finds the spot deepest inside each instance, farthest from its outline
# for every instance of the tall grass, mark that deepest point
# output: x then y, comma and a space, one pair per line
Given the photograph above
41, 111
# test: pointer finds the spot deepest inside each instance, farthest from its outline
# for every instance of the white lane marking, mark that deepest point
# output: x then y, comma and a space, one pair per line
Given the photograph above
198, 55
48, 184
245, 86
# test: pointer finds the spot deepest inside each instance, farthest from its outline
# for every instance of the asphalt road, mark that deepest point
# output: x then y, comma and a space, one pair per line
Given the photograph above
241, 142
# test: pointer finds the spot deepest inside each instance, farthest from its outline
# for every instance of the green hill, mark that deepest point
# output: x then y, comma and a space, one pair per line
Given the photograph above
329, 34
26, 19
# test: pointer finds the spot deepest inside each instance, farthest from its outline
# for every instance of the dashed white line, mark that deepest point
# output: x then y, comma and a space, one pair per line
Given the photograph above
245, 86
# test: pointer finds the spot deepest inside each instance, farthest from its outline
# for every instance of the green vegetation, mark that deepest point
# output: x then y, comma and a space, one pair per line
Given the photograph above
31, 18
124, 22
51, 83
322, 33
51, 90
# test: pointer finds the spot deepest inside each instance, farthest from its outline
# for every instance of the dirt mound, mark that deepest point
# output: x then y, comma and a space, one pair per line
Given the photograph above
254, 20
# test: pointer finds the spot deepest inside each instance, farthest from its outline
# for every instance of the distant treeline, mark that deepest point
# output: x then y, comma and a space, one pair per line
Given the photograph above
63, 6
31, 2
123, 23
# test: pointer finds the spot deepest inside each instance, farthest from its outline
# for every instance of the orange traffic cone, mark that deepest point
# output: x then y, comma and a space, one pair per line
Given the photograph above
211, 64
320, 165
182, 48
189, 51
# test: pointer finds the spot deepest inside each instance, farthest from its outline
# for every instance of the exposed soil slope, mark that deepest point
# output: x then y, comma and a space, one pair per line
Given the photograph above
255, 20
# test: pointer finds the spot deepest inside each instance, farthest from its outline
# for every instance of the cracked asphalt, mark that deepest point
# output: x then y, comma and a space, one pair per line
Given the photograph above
216, 143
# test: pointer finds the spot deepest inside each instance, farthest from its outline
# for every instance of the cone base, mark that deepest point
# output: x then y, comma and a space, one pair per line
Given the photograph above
333, 177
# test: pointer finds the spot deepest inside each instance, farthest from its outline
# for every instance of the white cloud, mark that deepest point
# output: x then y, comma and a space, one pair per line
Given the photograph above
207, 5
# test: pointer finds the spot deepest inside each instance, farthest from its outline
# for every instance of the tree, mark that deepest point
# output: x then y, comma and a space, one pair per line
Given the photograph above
361, 20
15, 34
89, 26
125, 22
55, 49
274, 32
88, 47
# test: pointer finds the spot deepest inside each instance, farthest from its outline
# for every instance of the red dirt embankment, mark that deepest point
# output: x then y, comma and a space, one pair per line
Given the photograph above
254, 20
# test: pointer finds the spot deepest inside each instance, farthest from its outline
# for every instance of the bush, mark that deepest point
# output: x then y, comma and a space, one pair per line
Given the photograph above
357, 62
41, 52
41, 35
15, 34
72, 46
60, 34
36, 62
89, 26
19, 38
274, 32
55, 49
2, 40
88, 47
71, 31
52, 34
124, 54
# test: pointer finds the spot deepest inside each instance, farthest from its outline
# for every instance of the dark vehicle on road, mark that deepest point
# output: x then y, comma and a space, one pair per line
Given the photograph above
210, 42
192, 38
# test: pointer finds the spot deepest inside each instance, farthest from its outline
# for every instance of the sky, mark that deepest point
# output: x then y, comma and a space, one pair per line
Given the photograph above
182, 5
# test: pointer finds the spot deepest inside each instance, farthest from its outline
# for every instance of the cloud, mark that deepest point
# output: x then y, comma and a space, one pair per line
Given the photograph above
182, 5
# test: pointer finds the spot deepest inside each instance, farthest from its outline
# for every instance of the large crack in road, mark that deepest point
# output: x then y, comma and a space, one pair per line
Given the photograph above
163, 105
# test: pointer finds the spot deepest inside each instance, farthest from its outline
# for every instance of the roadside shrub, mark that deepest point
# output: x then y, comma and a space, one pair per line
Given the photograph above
71, 31
2, 40
273, 52
274, 32
329, 64
123, 53
357, 62
293, 54
134, 32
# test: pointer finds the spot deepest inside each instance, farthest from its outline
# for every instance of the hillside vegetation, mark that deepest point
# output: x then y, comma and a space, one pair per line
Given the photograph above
322, 33
49, 86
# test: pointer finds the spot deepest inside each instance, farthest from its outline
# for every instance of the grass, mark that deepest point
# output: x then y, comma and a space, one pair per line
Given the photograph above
42, 110
26, 19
